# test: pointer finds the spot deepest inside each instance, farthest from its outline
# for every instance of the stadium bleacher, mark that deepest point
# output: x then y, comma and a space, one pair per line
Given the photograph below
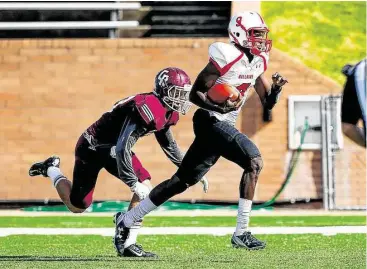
187, 18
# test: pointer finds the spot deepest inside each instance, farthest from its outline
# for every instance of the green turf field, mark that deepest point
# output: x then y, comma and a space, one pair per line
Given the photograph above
184, 251
286, 251
323, 35
256, 221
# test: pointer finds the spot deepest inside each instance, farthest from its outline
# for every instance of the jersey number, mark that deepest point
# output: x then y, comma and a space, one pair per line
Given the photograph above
243, 88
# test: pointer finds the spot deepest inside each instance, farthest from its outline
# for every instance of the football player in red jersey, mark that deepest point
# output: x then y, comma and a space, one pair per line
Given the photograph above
240, 64
108, 143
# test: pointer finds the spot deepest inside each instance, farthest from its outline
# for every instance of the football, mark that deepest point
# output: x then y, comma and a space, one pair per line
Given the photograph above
220, 93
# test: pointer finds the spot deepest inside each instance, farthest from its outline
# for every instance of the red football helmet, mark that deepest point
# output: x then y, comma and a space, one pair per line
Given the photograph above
173, 86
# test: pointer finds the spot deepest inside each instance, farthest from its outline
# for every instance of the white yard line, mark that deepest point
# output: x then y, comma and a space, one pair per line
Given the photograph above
218, 231
193, 213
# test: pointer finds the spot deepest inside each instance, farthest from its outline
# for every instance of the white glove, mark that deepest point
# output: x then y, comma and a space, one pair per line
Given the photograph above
205, 183
140, 190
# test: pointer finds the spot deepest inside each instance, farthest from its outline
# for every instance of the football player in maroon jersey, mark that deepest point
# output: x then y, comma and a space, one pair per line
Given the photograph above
108, 143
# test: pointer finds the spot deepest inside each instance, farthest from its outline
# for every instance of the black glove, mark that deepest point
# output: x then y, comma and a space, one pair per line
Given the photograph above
278, 82
276, 88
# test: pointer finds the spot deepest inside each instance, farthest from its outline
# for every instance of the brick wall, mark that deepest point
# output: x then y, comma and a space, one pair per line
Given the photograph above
51, 90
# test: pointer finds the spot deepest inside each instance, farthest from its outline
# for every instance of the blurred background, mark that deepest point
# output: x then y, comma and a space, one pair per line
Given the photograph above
63, 64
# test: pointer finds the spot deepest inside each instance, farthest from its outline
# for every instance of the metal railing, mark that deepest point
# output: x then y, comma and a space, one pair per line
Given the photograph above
68, 6
113, 24
66, 25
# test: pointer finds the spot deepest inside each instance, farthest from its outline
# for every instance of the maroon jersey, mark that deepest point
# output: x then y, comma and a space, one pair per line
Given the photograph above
147, 109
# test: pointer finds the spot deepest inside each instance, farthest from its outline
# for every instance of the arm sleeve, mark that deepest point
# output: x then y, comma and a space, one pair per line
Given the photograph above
169, 146
124, 144
272, 97
268, 94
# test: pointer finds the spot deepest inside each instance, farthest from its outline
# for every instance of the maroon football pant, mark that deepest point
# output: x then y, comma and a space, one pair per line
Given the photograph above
87, 165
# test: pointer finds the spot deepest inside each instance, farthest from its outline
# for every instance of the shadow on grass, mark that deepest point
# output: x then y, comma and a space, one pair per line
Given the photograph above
62, 258
25, 258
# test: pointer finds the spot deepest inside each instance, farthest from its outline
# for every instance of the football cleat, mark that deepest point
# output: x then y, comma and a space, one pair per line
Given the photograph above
135, 250
121, 234
248, 241
40, 168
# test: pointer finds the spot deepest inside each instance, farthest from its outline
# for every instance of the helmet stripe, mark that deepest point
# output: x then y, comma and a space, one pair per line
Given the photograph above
262, 21
239, 23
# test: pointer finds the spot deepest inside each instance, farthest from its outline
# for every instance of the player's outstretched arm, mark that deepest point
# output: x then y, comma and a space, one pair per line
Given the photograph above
169, 146
124, 144
269, 94
205, 80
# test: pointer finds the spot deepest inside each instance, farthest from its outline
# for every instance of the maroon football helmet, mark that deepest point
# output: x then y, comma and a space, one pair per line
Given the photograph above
173, 86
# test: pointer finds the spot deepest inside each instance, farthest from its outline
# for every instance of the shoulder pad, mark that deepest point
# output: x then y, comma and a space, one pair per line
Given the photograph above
151, 110
223, 53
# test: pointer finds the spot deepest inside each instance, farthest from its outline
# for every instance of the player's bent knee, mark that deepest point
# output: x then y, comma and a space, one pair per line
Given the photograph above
256, 164
78, 205
186, 182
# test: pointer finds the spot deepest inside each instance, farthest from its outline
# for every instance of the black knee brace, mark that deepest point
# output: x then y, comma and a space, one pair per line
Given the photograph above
167, 189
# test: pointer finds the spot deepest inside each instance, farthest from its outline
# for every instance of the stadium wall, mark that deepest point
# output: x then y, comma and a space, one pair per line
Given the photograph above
52, 90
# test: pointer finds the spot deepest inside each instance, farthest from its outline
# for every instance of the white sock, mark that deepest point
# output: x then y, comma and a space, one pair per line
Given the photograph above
55, 175
243, 216
137, 213
133, 234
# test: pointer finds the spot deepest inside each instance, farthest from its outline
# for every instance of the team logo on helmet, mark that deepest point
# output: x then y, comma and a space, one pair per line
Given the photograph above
163, 78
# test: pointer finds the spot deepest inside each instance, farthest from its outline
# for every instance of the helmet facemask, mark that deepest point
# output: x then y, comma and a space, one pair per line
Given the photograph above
257, 40
177, 98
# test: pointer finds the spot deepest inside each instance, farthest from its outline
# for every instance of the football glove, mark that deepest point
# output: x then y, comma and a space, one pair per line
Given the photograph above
140, 190
205, 183
278, 82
